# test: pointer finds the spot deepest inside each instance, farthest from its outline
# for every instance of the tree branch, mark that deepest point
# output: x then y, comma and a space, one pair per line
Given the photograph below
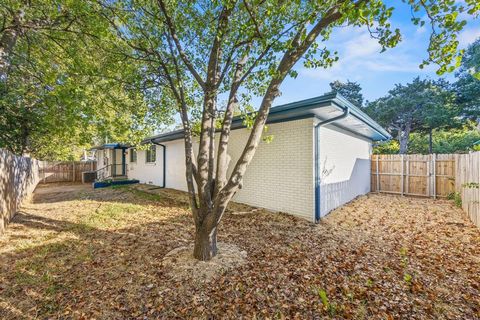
291, 56
183, 55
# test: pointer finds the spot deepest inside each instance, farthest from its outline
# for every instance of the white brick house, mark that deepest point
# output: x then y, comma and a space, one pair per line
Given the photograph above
317, 161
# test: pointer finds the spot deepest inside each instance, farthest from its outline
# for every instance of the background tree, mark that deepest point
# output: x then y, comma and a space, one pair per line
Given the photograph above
468, 83
422, 105
200, 51
451, 140
350, 90
442, 112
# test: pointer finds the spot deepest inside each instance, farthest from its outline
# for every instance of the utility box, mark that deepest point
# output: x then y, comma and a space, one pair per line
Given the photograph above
89, 176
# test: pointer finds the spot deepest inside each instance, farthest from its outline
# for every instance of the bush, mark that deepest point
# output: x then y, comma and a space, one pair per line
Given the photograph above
456, 197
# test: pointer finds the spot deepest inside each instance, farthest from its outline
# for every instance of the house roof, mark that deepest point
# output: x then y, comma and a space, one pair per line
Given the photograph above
110, 146
322, 107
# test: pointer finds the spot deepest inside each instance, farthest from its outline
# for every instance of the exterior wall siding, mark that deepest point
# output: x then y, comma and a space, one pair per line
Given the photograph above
149, 173
279, 178
344, 167
281, 174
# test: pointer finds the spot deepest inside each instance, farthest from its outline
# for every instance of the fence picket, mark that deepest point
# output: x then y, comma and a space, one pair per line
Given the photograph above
415, 174
64, 171
431, 176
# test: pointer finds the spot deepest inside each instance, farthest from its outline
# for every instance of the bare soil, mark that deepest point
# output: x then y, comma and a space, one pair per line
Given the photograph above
78, 253
182, 266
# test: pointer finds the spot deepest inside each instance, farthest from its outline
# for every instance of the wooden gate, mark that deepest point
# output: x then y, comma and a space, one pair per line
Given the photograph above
430, 176
417, 175
64, 171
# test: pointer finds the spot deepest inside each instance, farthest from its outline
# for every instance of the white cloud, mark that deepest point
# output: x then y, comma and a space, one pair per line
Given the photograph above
467, 36
361, 45
360, 55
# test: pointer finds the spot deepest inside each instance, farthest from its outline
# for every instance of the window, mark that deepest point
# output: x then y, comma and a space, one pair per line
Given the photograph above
133, 155
151, 154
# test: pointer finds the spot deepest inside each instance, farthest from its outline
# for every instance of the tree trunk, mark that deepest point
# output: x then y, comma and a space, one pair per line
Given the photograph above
205, 243
430, 142
213, 201
403, 145
7, 43
403, 136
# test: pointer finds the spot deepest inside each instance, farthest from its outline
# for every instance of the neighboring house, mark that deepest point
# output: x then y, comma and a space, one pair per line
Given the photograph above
318, 160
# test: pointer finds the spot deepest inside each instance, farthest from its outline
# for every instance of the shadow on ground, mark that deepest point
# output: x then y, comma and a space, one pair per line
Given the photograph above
79, 253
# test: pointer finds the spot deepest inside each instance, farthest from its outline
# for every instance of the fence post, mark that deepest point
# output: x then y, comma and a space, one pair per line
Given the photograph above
401, 176
378, 177
73, 171
407, 177
457, 172
434, 176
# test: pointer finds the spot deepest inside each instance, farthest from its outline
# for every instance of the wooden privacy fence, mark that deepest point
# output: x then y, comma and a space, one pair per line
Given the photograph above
417, 175
433, 175
64, 171
467, 184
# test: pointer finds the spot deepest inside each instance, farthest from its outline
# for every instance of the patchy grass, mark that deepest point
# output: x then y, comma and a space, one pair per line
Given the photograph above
113, 215
78, 253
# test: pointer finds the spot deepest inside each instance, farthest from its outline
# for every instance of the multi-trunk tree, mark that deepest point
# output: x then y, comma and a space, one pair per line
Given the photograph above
201, 52
209, 57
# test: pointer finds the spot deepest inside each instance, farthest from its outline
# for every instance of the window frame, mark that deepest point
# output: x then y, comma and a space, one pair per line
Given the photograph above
151, 154
133, 156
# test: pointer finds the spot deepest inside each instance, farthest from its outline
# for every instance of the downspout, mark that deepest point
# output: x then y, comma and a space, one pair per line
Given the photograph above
164, 159
345, 113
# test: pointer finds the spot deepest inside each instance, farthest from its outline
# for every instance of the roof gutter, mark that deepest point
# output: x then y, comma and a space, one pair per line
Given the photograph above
346, 112
164, 159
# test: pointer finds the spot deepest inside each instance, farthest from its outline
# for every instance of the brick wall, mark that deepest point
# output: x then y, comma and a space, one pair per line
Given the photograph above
18, 178
280, 176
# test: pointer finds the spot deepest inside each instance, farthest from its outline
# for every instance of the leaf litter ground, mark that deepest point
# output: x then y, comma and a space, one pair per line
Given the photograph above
76, 253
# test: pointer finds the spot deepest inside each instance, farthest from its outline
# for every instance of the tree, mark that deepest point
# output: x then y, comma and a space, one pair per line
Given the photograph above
56, 93
468, 83
443, 111
422, 105
197, 51
446, 141
450, 140
351, 90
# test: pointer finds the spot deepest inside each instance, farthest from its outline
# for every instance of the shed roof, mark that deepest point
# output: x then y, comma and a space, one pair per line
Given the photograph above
322, 107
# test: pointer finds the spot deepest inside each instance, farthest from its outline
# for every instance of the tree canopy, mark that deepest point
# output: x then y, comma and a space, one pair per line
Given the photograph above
351, 90
198, 52
62, 85
422, 105
468, 84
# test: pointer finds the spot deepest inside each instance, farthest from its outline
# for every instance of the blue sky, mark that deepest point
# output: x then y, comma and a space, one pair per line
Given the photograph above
360, 60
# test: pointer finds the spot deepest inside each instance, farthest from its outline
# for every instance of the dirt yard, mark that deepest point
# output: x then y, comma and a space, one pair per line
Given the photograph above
76, 253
